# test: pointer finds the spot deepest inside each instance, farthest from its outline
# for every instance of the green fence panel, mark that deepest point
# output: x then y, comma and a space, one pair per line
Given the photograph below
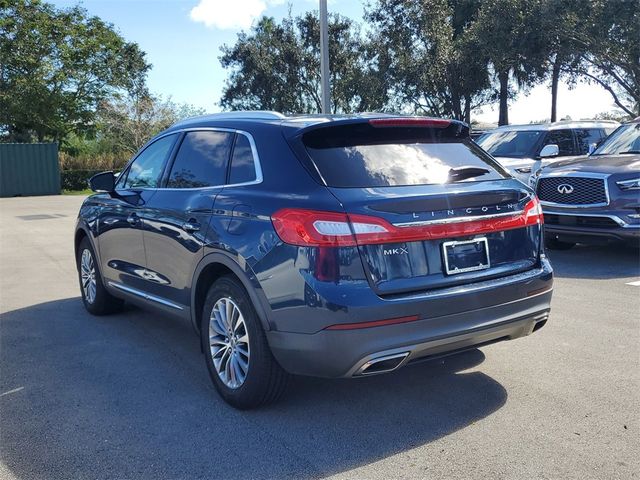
29, 169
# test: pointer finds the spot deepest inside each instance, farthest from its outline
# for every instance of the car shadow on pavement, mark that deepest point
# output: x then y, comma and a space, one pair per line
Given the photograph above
128, 396
587, 261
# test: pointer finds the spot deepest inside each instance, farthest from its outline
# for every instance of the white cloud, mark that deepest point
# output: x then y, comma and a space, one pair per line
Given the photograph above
229, 15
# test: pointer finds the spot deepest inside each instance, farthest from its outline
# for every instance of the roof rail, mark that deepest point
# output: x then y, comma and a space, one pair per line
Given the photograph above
258, 114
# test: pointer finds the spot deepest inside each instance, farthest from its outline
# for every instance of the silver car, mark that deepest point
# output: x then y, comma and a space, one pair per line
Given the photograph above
523, 149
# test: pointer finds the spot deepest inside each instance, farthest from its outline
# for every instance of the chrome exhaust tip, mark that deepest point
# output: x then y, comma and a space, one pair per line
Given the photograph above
383, 364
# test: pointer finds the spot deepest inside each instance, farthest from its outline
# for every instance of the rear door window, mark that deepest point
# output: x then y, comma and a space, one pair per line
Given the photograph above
362, 156
201, 160
564, 140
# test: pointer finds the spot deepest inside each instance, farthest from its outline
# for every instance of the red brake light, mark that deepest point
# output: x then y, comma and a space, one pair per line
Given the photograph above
410, 122
311, 228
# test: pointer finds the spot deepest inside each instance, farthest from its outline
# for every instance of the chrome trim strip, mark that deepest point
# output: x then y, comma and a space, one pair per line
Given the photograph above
615, 218
603, 176
146, 296
457, 219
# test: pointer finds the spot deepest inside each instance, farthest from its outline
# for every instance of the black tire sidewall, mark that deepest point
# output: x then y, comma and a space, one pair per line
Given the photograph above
252, 391
104, 303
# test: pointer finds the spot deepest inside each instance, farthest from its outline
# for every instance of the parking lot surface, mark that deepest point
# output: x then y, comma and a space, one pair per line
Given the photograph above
128, 396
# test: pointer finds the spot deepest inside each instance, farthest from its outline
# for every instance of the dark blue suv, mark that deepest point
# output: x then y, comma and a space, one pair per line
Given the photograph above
334, 246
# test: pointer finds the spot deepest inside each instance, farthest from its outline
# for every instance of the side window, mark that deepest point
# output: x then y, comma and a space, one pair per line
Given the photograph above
587, 136
201, 160
564, 140
146, 169
243, 167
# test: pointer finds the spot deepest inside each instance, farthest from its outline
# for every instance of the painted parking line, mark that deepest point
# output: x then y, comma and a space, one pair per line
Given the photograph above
634, 284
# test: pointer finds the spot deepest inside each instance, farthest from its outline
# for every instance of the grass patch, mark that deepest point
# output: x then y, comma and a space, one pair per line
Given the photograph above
86, 191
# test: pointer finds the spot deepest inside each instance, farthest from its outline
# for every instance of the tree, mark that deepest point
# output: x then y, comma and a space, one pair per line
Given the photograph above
610, 42
512, 39
56, 66
558, 22
126, 124
432, 64
276, 66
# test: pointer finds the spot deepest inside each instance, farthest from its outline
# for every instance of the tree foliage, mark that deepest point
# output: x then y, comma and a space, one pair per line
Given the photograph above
432, 61
56, 66
126, 124
276, 66
609, 42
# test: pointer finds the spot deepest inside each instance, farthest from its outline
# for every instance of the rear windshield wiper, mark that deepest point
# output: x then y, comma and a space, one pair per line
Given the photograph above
462, 173
629, 152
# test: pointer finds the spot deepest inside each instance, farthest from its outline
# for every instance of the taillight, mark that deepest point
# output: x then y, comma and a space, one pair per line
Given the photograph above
533, 212
312, 228
322, 229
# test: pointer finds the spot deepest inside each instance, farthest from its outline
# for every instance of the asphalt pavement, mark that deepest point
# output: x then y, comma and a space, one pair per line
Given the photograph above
128, 396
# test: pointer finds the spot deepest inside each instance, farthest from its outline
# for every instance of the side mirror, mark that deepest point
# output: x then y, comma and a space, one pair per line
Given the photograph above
592, 148
550, 150
103, 182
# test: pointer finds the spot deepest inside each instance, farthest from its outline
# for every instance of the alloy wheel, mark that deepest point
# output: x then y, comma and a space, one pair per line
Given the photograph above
88, 276
229, 342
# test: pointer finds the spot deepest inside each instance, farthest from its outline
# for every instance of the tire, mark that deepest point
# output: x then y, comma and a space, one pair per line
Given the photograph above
554, 244
241, 365
95, 297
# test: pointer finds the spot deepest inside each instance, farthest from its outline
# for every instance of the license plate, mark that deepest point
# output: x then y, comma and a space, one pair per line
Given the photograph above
465, 256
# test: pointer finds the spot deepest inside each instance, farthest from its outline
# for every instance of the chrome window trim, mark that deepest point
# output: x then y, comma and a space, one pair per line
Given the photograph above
457, 219
603, 176
146, 296
254, 151
615, 218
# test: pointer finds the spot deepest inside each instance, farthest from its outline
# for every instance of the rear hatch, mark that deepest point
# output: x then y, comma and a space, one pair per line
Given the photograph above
428, 208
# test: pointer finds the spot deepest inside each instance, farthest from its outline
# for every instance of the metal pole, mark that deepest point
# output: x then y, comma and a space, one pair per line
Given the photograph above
324, 58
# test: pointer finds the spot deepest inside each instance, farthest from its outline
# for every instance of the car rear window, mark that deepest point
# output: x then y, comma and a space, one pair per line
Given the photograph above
363, 156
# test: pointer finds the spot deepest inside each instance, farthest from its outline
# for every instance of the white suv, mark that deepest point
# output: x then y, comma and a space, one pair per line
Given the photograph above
523, 149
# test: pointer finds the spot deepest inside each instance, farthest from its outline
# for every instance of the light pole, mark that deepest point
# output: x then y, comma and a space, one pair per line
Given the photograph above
324, 58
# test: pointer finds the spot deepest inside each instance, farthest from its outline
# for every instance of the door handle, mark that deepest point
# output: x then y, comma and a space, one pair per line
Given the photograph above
133, 219
191, 226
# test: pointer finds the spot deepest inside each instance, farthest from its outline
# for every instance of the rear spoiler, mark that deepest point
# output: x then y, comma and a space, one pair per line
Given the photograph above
446, 127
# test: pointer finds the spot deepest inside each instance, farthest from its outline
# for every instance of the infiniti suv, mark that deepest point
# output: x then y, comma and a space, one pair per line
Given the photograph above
594, 199
333, 246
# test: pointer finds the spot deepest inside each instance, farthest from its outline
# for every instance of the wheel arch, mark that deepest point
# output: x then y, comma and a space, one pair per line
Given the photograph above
81, 233
214, 266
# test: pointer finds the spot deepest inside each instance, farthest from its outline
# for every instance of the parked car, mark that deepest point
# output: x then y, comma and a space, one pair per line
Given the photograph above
317, 245
594, 199
523, 149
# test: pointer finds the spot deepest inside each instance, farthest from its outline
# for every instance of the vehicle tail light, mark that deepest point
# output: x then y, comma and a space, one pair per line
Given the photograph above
312, 228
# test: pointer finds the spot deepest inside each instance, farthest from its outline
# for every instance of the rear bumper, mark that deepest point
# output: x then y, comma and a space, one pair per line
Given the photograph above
343, 353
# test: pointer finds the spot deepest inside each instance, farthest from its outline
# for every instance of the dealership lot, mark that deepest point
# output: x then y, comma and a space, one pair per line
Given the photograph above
128, 396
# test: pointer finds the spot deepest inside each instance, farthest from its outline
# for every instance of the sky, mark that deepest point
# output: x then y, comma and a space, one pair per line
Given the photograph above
182, 39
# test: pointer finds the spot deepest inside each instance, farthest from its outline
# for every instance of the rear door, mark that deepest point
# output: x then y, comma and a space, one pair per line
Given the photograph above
435, 189
177, 217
